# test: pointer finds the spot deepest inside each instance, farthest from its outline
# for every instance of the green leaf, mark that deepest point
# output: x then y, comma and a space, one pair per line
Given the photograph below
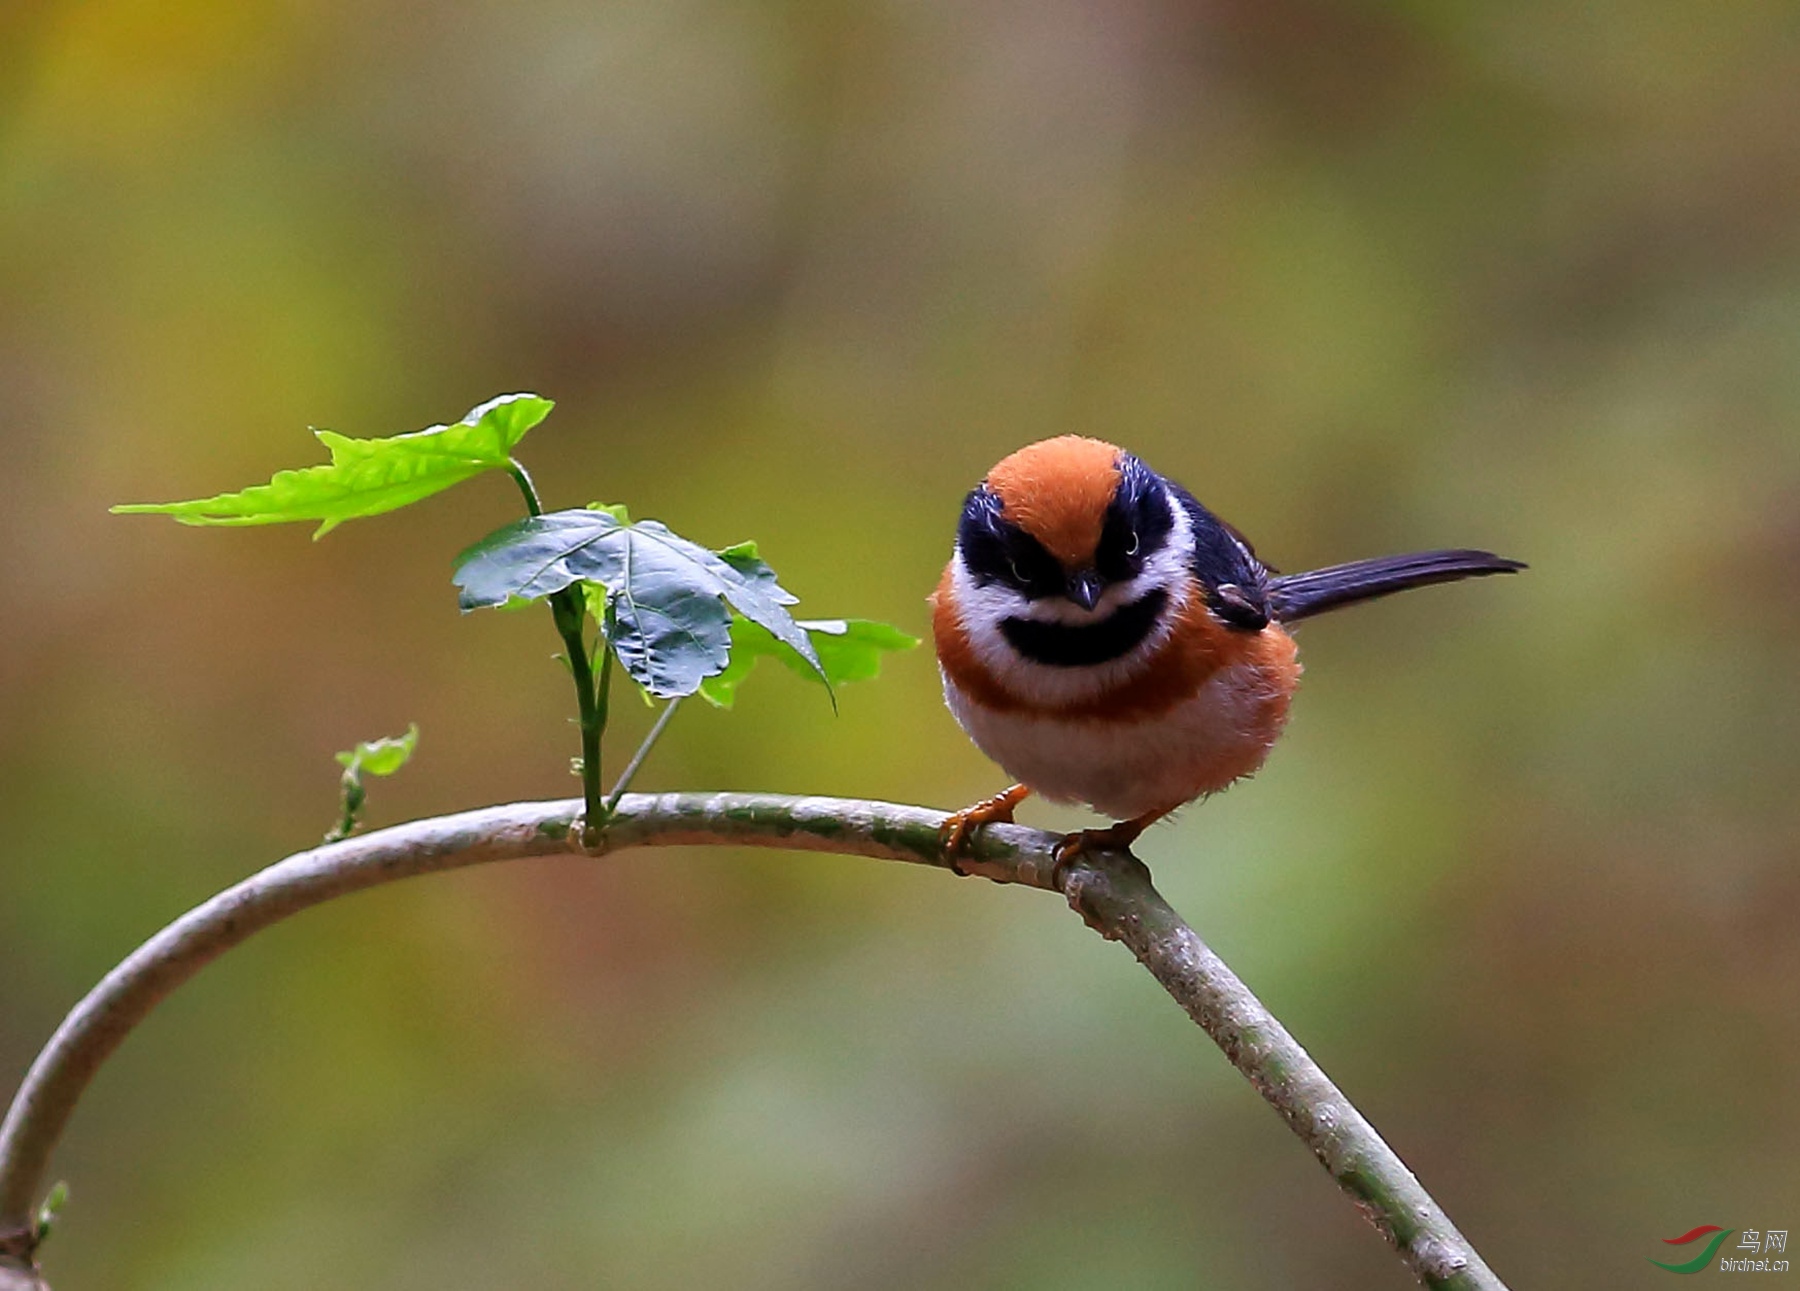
667, 602
848, 650
369, 476
384, 756
53, 1204
851, 649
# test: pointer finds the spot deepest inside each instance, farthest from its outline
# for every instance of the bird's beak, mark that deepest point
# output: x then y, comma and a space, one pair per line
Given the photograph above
1085, 588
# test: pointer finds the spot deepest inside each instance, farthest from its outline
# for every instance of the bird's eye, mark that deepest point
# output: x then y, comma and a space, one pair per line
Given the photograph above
1018, 575
1132, 550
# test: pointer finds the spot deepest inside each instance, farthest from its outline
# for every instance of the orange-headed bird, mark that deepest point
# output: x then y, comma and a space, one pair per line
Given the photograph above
1109, 641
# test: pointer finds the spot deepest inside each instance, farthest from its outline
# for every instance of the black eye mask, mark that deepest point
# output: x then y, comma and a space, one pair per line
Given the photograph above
1138, 522
998, 551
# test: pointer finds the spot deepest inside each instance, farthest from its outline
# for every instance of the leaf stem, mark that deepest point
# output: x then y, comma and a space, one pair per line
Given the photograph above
569, 609
522, 478
590, 704
590, 744
351, 796
643, 752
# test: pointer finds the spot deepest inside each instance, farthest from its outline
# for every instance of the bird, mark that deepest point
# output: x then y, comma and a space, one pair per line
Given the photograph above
1111, 642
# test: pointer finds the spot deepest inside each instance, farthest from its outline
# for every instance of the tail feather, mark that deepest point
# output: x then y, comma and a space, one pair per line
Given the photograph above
1299, 596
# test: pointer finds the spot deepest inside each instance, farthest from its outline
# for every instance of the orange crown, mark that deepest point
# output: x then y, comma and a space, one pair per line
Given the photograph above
1057, 490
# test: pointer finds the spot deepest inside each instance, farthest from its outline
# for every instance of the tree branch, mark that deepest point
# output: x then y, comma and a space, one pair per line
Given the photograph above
1111, 890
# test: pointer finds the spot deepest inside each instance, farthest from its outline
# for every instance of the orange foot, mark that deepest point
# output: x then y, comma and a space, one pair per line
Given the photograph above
1118, 837
954, 833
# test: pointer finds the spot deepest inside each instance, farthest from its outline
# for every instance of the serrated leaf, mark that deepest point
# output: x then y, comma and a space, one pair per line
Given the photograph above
383, 756
667, 602
369, 476
848, 650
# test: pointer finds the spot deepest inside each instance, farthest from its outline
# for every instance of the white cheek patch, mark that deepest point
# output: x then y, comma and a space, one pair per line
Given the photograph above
983, 608
988, 603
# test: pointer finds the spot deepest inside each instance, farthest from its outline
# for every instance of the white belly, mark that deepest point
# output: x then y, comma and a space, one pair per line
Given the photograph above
1126, 769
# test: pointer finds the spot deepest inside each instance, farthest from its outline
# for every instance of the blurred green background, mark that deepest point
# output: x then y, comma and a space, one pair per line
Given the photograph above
1366, 277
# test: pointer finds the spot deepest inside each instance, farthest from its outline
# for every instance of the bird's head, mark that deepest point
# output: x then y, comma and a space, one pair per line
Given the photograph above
1074, 530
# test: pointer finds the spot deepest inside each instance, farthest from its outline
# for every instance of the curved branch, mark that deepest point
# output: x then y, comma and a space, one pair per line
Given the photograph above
1111, 890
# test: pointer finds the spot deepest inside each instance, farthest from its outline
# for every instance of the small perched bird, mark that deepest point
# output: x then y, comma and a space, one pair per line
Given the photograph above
1109, 641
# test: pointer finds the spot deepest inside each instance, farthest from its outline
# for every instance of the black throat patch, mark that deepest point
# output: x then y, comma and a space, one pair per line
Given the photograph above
1070, 645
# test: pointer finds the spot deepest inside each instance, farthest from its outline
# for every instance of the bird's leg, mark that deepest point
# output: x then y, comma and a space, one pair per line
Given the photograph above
1119, 836
954, 833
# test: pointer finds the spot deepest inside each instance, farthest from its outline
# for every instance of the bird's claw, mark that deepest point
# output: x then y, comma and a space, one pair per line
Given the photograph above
1117, 837
959, 826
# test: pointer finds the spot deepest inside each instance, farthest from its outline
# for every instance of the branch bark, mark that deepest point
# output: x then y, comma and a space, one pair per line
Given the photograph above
1110, 890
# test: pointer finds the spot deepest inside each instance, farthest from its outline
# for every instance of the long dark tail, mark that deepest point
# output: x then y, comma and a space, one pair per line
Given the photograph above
1300, 596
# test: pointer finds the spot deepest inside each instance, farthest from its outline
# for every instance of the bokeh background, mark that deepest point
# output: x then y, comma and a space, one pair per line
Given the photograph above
1365, 276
